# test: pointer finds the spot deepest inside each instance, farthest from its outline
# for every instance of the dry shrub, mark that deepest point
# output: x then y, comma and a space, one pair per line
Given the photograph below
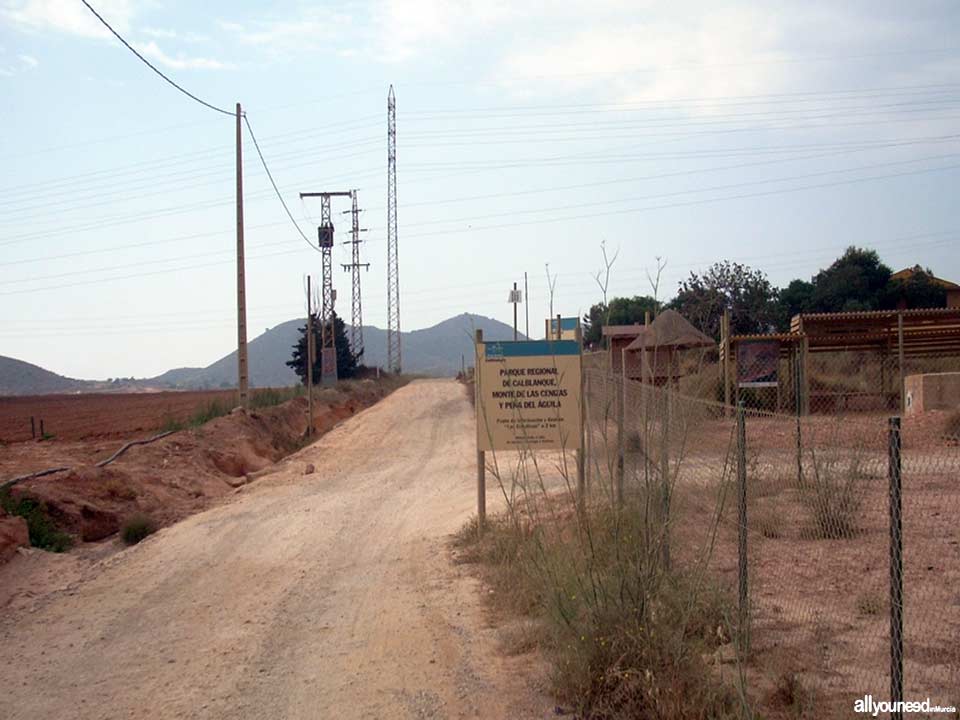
626, 637
833, 495
521, 638
869, 604
793, 695
952, 427
137, 528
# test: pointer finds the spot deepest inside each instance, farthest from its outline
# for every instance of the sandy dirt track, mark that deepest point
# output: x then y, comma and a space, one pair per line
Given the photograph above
329, 595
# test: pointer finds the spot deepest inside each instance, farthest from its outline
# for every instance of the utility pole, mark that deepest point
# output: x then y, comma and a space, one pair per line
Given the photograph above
310, 356
515, 298
526, 307
356, 328
394, 352
328, 345
242, 367
551, 285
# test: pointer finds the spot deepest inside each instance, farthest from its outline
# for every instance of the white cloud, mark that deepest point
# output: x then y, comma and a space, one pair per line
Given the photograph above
407, 28
22, 63
160, 33
664, 56
167, 34
180, 62
644, 50
314, 29
230, 26
69, 16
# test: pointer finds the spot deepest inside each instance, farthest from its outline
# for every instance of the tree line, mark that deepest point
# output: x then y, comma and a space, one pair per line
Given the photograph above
857, 280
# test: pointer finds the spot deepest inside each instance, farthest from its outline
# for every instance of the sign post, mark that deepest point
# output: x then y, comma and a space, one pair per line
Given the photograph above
561, 328
481, 455
529, 396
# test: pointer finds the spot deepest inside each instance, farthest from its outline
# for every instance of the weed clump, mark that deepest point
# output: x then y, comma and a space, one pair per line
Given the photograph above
833, 496
626, 636
44, 534
268, 397
869, 604
137, 528
952, 427
793, 695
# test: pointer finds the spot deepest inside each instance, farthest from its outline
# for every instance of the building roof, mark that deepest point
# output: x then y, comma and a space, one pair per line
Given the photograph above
909, 272
925, 331
670, 329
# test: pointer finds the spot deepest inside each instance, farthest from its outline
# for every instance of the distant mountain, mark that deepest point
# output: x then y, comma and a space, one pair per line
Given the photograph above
433, 351
22, 378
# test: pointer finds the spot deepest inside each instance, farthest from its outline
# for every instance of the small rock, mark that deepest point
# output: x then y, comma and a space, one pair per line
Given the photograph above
309, 469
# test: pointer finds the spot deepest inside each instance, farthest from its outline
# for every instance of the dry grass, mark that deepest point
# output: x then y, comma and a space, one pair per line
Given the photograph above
869, 604
833, 495
794, 697
952, 427
625, 637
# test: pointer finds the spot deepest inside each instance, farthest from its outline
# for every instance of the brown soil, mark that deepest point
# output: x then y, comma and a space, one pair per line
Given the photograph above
178, 475
80, 417
320, 595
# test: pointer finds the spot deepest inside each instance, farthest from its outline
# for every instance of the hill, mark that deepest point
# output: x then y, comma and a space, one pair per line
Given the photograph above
435, 351
22, 378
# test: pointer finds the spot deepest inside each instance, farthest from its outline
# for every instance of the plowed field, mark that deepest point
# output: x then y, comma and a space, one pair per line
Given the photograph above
100, 415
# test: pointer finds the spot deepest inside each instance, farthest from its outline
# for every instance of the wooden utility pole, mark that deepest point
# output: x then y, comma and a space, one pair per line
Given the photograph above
900, 363
514, 299
581, 454
310, 356
725, 361
242, 369
481, 456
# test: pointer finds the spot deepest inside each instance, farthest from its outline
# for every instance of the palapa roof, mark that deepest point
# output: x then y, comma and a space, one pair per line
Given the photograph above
670, 329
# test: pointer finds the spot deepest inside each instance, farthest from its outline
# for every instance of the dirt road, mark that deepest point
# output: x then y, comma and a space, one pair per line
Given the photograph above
330, 595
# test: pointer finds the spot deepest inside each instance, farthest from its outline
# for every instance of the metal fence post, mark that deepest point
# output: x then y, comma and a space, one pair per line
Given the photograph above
743, 631
665, 478
896, 568
621, 402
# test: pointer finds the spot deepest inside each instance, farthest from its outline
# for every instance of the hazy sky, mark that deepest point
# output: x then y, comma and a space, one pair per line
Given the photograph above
773, 133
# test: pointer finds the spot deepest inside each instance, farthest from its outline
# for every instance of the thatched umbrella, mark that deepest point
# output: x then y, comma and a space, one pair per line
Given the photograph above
669, 333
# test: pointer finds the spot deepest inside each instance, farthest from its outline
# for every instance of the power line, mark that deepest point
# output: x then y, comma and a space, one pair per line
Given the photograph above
275, 188
687, 203
152, 66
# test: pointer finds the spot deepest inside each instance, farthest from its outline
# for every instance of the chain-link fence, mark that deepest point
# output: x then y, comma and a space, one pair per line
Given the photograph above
781, 377
835, 536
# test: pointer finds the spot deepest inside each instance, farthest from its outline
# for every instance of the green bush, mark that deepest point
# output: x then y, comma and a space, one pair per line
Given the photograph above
210, 411
136, 528
268, 397
44, 534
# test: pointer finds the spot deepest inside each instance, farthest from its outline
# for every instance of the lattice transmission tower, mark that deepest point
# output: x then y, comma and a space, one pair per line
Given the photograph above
328, 296
394, 352
356, 329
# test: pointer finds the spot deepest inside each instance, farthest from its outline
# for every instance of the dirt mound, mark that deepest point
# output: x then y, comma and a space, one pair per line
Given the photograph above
183, 473
13, 534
